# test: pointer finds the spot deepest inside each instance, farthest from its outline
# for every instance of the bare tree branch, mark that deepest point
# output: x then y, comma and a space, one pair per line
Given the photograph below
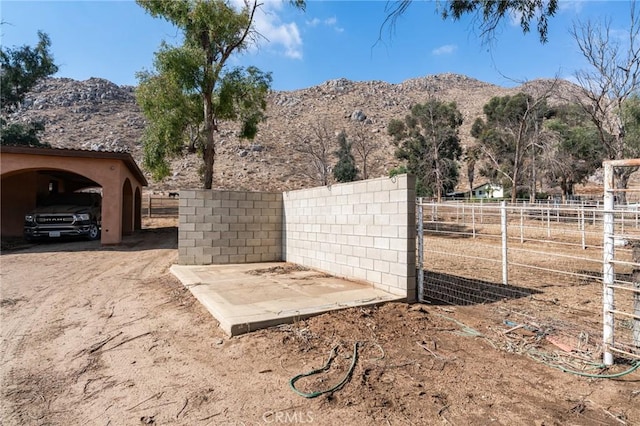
610, 82
317, 149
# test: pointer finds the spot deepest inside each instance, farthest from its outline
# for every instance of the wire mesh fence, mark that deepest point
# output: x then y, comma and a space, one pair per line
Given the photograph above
543, 262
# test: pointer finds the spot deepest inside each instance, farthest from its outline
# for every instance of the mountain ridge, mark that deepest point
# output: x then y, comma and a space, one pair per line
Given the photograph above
100, 115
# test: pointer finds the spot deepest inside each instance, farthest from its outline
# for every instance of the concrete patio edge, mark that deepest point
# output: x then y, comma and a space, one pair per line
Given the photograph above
244, 299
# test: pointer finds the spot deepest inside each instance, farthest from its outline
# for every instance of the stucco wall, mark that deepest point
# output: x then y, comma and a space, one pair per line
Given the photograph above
362, 230
229, 227
18, 197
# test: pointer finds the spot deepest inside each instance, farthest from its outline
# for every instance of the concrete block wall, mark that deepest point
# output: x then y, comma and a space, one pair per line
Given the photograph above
229, 227
362, 230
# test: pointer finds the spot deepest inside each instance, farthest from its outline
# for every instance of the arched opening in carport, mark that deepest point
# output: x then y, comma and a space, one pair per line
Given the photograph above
127, 208
137, 225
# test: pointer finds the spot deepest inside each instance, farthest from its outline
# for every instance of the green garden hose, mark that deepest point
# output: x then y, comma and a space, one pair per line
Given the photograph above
332, 356
633, 368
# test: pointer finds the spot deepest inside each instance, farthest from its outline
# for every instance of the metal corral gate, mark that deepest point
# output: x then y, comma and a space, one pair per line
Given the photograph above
621, 270
483, 252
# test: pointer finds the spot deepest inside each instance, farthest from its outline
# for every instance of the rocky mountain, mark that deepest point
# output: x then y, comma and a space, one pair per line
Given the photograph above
99, 115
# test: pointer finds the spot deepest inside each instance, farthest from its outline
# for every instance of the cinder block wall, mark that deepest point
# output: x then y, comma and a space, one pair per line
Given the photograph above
229, 227
362, 230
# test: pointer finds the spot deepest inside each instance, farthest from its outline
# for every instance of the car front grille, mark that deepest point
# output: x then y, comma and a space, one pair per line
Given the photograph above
46, 220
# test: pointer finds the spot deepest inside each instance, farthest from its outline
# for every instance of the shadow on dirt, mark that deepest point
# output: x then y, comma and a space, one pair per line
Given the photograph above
144, 239
450, 230
445, 289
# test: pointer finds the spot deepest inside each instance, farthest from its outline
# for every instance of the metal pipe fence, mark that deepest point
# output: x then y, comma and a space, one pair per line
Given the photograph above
621, 274
543, 259
160, 206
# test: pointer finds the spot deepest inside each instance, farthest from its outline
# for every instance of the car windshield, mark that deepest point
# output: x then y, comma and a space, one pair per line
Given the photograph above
75, 198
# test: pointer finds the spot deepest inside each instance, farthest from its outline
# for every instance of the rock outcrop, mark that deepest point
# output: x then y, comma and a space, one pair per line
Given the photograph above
97, 114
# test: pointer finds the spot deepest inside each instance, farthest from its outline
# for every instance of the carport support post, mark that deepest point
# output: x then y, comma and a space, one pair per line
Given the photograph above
111, 214
608, 274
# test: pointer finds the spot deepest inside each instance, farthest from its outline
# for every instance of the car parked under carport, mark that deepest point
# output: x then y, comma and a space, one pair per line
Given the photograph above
29, 175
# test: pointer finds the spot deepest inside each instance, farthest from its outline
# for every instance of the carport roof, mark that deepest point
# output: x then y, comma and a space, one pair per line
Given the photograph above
125, 157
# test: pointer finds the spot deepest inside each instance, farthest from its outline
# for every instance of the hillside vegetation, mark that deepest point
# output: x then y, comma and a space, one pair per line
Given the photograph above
99, 115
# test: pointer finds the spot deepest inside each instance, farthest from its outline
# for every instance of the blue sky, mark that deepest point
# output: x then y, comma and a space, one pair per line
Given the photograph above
331, 39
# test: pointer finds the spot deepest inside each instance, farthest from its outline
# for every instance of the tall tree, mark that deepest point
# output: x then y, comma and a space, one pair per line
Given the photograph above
508, 134
612, 79
575, 151
471, 157
316, 149
488, 14
345, 169
428, 141
21, 69
364, 147
213, 30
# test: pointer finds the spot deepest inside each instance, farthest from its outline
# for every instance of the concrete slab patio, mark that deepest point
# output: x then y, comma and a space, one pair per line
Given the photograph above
250, 296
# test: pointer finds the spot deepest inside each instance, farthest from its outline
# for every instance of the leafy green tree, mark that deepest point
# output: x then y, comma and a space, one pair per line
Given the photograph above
345, 169
576, 151
428, 141
177, 116
27, 134
21, 69
489, 13
399, 170
507, 135
195, 72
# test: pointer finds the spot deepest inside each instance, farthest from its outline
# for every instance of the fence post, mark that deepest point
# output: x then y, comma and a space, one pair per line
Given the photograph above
473, 219
521, 225
636, 312
608, 274
582, 228
149, 207
549, 221
635, 278
503, 228
420, 251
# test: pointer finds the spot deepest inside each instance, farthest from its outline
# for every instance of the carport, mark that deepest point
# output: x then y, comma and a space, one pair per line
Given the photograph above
28, 173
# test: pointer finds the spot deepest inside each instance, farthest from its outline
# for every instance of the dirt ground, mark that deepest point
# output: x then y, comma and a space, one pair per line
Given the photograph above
95, 335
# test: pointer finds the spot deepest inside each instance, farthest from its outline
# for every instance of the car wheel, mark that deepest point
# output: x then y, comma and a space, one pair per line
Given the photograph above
94, 232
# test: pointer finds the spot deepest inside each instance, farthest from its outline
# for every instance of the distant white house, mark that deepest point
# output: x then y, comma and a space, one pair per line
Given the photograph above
488, 190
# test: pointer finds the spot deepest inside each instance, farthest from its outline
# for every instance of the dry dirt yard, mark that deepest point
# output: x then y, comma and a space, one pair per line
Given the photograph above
95, 335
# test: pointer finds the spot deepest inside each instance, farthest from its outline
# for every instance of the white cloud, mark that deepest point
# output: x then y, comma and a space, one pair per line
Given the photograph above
570, 6
447, 49
313, 23
329, 22
277, 35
